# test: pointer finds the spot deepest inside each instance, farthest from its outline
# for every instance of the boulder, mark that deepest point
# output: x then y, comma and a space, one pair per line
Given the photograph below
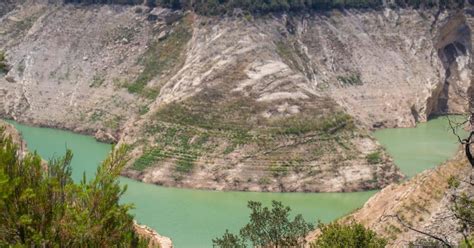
162, 35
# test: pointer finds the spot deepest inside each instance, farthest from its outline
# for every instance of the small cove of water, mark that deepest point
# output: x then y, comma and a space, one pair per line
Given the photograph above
417, 149
193, 217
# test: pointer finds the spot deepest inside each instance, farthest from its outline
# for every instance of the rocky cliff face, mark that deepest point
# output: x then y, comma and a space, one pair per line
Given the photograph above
278, 103
424, 203
154, 238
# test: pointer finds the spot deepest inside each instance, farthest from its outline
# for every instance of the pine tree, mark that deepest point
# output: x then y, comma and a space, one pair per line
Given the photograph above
41, 206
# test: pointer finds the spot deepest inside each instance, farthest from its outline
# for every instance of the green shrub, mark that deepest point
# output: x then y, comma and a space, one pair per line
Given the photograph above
268, 228
353, 235
264, 181
350, 80
468, 242
453, 182
97, 80
185, 165
3, 63
374, 157
143, 110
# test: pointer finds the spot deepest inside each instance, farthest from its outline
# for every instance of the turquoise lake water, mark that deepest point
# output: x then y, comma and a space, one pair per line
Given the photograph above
191, 218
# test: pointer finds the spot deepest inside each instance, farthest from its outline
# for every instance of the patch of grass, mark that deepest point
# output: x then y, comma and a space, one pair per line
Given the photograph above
180, 114
97, 115
143, 110
374, 157
122, 34
351, 80
113, 123
248, 17
150, 93
26, 23
148, 159
264, 181
185, 165
4, 68
293, 57
229, 149
285, 51
453, 182
329, 124
229, 118
342, 143
119, 83
176, 143
97, 80
161, 57
278, 170
20, 67
318, 152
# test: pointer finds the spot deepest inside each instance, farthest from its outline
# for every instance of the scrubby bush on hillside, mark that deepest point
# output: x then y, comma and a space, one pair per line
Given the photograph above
463, 208
268, 228
374, 157
43, 207
3, 63
352, 235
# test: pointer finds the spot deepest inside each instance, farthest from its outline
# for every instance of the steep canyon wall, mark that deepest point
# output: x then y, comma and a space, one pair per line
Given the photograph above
279, 103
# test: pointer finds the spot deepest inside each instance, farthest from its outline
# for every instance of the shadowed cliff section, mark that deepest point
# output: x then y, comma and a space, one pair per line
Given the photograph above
454, 45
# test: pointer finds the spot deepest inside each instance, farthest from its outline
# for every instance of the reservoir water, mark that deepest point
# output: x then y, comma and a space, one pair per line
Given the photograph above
193, 217
417, 149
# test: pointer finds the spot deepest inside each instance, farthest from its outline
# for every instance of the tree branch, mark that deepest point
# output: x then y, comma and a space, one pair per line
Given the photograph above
444, 241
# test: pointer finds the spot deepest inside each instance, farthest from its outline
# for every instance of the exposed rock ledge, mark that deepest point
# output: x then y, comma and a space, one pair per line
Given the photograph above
13, 133
156, 240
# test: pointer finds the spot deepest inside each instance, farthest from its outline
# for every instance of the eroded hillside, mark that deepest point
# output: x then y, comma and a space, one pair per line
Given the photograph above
425, 203
278, 103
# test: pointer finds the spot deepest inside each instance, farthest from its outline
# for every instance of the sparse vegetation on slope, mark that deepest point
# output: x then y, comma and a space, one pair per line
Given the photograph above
3, 63
215, 132
185, 131
374, 157
161, 57
350, 80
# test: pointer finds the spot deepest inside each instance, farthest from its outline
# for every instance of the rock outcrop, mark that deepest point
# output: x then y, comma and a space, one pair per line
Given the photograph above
155, 239
423, 202
10, 131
